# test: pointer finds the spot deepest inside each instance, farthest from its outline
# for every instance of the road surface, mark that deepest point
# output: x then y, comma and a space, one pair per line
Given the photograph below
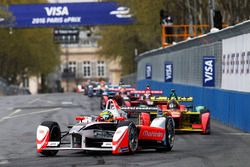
20, 116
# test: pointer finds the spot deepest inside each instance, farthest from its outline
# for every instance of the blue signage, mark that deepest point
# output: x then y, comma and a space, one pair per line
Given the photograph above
70, 14
168, 71
209, 71
148, 71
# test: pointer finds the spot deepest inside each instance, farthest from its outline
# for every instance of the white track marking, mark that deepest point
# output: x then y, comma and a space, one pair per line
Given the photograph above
4, 161
67, 102
11, 114
38, 99
31, 113
238, 134
33, 101
15, 112
48, 101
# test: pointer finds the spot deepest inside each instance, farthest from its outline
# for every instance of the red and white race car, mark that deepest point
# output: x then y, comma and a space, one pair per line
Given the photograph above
142, 97
117, 136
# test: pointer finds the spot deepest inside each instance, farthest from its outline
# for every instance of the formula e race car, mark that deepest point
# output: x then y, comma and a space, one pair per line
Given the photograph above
121, 94
142, 97
117, 134
197, 120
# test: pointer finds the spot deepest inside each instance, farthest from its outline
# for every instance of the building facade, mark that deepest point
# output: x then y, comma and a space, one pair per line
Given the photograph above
81, 62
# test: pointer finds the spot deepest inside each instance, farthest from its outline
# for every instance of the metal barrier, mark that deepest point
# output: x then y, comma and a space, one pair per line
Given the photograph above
229, 107
187, 55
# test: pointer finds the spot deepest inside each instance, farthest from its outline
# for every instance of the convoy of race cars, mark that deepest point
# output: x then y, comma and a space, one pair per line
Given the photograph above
130, 120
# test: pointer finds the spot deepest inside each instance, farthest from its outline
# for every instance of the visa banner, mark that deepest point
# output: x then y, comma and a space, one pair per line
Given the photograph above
148, 71
70, 14
168, 71
209, 71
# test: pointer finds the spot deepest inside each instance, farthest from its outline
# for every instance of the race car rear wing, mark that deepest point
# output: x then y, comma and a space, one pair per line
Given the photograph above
167, 99
118, 89
140, 109
143, 92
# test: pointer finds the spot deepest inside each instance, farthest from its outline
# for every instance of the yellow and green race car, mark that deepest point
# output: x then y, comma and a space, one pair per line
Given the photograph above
197, 120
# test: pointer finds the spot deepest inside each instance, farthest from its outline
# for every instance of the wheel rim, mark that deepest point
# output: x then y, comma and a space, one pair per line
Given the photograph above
133, 140
170, 136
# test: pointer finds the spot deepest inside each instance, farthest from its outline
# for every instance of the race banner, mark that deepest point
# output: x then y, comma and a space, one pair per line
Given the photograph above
70, 14
209, 71
168, 71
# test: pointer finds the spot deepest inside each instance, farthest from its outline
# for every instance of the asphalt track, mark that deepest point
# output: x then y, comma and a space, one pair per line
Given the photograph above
20, 115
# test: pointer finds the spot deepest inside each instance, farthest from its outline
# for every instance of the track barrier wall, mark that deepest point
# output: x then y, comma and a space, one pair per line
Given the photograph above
184, 64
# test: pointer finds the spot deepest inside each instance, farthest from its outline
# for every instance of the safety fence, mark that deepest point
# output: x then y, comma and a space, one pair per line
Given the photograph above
228, 107
187, 65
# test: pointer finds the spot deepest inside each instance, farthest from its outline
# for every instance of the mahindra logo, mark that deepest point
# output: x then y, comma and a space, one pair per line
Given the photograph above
152, 134
57, 11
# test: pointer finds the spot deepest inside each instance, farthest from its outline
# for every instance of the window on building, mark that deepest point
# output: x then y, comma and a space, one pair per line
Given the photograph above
72, 66
86, 69
242, 62
100, 68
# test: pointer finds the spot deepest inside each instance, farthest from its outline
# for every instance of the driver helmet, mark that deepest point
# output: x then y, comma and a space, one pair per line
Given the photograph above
173, 104
148, 88
106, 116
173, 95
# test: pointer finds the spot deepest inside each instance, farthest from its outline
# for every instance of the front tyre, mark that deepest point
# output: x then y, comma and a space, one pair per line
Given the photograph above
132, 135
54, 134
169, 135
132, 138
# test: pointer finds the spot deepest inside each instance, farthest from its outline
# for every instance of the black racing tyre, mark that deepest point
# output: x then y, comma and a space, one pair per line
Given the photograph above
132, 135
55, 135
169, 137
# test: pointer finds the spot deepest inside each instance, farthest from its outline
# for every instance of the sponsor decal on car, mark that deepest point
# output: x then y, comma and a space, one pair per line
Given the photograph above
152, 134
123, 149
107, 144
53, 143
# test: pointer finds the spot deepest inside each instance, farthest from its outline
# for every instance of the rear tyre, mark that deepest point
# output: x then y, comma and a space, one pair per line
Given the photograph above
169, 137
132, 135
55, 135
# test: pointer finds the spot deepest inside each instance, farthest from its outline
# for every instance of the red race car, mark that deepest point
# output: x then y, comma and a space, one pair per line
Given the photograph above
110, 131
142, 97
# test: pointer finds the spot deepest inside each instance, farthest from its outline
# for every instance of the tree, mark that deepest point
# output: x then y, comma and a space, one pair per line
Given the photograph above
27, 51
145, 33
